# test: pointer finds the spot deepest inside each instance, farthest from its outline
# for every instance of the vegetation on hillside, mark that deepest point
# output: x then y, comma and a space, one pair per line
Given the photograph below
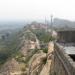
43, 35
9, 46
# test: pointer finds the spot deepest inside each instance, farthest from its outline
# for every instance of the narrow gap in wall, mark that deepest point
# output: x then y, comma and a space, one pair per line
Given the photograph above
72, 56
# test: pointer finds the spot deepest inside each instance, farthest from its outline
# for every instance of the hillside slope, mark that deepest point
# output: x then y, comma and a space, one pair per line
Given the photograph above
34, 55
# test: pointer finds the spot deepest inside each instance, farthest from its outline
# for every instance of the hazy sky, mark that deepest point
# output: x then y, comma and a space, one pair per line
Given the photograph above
36, 9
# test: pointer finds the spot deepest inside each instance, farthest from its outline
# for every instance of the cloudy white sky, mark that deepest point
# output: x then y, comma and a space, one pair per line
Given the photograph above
36, 9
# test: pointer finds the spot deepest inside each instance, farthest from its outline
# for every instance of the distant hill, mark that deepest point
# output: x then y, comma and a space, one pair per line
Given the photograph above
61, 23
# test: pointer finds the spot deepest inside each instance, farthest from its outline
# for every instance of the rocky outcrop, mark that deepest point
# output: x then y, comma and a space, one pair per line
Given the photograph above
47, 67
30, 42
40, 63
10, 67
36, 63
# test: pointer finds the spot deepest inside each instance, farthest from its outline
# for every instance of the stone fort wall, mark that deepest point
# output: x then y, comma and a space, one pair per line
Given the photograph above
63, 64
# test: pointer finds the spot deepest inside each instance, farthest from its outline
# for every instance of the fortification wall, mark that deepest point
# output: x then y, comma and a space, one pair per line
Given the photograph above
63, 36
63, 64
